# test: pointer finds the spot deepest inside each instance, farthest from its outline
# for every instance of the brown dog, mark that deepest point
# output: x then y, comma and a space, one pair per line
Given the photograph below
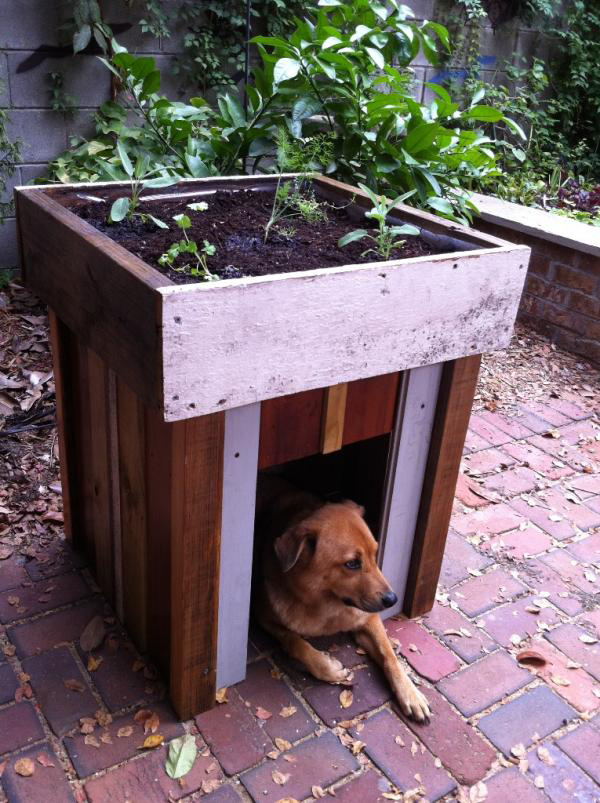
320, 577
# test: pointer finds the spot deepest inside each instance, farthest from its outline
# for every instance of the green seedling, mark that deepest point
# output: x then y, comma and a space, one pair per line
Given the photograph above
140, 177
386, 239
200, 256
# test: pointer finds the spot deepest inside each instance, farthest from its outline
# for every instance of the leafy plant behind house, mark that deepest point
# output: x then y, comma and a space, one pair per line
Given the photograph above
10, 152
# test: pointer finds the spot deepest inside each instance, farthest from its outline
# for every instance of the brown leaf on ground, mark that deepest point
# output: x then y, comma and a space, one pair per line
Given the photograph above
106, 738
152, 741
282, 744
262, 713
317, 792
24, 767
142, 715
151, 724
45, 761
124, 732
12, 600
91, 741
93, 634
93, 663
221, 696
103, 717
288, 711
9, 650
280, 778
211, 785
346, 698
74, 685
87, 725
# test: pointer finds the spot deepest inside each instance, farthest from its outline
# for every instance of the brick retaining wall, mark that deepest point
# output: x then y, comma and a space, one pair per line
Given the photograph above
562, 292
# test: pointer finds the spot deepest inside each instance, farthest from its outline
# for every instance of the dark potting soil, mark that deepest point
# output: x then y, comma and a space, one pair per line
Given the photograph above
234, 223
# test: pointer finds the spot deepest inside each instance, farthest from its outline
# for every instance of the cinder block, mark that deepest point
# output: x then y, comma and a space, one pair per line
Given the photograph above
28, 24
30, 172
172, 85
498, 46
418, 82
41, 132
86, 79
423, 9
4, 91
81, 125
9, 253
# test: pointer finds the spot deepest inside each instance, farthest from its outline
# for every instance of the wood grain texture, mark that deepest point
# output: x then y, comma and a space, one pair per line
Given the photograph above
334, 414
455, 399
103, 293
60, 345
370, 407
133, 507
290, 427
197, 484
100, 467
232, 343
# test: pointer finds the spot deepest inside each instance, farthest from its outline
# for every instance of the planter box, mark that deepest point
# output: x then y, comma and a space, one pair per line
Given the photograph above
562, 291
170, 398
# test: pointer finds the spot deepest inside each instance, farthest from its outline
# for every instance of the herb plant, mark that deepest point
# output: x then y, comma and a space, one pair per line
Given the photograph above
199, 267
386, 240
140, 178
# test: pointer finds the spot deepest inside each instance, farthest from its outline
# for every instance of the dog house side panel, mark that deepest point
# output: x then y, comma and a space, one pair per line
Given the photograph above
249, 340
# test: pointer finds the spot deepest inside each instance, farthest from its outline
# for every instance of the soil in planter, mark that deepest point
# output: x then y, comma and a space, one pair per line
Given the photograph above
234, 223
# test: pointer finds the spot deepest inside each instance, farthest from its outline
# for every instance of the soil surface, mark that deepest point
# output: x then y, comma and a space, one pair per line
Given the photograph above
234, 223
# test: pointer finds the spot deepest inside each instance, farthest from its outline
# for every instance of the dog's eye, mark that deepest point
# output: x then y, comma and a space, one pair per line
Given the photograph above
353, 564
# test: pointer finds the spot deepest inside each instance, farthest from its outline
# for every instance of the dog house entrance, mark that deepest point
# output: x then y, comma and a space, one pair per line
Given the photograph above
367, 441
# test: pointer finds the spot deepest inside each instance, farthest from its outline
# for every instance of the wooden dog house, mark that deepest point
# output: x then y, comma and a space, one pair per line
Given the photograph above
161, 437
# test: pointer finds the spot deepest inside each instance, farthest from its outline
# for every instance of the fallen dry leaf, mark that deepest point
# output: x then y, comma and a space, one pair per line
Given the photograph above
544, 755
9, 650
221, 695
142, 715
317, 792
24, 767
280, 778
414, 748
151, 724
346, 698
518, 750
154, 740
531, 657
93, 634
106, 738
357, 746
282, 744
125, 731
44, 760
288, 711
210, 785
87, 725
587, 639
559, 681
262, 713
539, 781
93, 663
12, 600
91, 741
103, 717
74, 685
399, 741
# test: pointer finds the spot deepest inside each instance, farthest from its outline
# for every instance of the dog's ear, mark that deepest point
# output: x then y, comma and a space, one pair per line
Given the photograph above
354, 506
289, 546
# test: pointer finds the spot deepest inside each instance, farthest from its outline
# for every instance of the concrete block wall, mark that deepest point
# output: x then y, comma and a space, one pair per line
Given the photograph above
26, 25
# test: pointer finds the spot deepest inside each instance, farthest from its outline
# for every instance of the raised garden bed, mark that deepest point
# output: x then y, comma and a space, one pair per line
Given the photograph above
172, 396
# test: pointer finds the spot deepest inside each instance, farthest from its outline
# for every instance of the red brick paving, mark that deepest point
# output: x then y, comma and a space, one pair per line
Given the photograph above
482, 702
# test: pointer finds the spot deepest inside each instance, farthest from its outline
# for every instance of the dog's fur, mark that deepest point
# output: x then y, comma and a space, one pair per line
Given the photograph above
306, 590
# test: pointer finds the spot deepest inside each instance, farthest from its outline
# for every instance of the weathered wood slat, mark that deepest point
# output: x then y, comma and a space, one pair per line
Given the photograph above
455, 399
230, 344
104, 294
133, 505
197, 486
370, 407
61, 346
334, 414
290, 427
100, 472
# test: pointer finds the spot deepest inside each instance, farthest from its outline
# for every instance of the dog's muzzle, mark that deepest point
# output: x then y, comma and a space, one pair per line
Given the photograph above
386, 600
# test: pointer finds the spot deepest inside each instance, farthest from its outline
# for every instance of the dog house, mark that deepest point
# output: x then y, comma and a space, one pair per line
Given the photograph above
170, 399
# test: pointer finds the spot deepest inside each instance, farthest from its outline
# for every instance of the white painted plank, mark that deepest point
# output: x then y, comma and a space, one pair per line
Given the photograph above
406, 472
242, 426
236, 342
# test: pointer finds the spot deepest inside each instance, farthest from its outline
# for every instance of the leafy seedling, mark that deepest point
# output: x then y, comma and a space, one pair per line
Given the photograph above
386, 239
199, 267
140, 177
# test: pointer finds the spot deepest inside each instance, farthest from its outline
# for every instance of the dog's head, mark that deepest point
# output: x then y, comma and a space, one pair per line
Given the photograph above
333, 552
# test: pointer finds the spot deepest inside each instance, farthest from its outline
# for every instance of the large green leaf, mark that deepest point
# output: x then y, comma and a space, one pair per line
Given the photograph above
81, 38
285, 69
357, 234
421, 137
485, 114
119, 209
182, 755
125, 160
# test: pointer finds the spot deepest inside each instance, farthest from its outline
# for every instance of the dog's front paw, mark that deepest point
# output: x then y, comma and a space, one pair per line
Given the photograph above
333, 671
414, 703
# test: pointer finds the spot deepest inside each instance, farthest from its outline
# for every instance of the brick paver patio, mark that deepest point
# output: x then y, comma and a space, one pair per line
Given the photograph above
522, 571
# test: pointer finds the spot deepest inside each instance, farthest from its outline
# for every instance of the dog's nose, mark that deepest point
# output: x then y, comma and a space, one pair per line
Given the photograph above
389, 599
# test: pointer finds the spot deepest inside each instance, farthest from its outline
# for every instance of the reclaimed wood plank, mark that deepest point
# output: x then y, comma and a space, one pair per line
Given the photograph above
233, 343
370, 407
133, 506
334, 414
197, 486
455, 399
100, 473
290, 427
103, 293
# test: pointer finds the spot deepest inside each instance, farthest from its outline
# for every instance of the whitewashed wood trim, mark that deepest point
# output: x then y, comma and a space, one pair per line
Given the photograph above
240, 460
236, 342
406, 471
538, 223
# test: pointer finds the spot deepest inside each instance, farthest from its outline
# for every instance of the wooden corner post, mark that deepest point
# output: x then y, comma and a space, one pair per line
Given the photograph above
455, 399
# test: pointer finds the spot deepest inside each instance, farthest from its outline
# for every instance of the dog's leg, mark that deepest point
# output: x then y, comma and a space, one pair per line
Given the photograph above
318, 663
373, 638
